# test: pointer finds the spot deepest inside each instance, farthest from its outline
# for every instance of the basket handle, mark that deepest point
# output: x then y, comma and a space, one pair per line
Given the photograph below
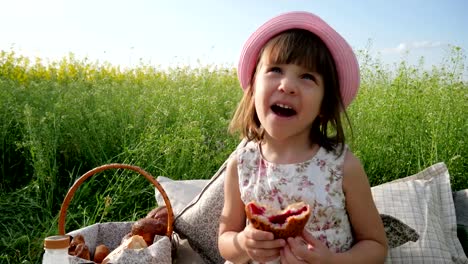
79, 181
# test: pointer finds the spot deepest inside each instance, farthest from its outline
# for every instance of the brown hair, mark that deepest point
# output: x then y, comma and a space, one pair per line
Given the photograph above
305, 49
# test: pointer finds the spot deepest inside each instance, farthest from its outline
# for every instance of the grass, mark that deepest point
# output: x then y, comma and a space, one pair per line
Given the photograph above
60, 120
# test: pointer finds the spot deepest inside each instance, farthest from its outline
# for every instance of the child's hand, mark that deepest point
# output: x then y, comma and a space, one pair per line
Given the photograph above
260, 245
305, 249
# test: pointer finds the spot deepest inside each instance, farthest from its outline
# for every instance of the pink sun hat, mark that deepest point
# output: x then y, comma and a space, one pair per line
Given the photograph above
345, 60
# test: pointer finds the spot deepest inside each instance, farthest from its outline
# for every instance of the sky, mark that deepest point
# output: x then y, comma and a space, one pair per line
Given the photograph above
212, 32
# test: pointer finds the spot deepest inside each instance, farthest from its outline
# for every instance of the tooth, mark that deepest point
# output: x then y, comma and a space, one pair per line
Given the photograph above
284, 106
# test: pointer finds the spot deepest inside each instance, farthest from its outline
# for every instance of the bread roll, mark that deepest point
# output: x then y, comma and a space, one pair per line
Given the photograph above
82, 251
100, 253
158, 213
78, 239
134, 242
282, 223
148, 228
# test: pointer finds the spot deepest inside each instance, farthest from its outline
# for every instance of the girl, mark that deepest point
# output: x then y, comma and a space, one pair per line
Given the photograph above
298, 76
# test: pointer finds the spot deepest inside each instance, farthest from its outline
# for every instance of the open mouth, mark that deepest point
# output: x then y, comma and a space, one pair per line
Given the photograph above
283, 110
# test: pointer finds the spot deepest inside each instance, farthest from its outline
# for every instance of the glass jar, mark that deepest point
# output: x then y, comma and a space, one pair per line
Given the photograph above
56, 250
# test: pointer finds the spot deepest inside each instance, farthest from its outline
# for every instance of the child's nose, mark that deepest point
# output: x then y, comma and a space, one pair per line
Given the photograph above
288, 85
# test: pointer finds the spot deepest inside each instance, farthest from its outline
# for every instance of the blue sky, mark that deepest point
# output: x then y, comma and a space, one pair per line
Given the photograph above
175, 32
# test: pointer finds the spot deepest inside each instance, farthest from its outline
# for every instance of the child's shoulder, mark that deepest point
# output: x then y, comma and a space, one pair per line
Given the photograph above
349, 156
243, 147
342, 154
352, 165
247, 146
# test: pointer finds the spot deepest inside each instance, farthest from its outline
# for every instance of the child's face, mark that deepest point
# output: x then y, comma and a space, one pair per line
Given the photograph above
287, 99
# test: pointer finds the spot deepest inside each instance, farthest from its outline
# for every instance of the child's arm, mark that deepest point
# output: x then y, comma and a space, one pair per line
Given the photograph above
236, 242
369, 235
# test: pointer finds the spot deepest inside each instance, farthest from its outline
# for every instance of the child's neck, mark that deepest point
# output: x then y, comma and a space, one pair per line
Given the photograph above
287, 152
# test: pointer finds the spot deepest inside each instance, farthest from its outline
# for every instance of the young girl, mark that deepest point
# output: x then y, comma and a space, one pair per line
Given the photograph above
298, 76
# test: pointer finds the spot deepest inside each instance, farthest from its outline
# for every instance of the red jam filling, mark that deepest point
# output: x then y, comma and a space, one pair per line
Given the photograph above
276, 219
281, 218
256, 210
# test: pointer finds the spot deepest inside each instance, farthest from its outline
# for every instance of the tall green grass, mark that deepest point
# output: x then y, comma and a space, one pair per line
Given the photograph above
407, 118
62, 119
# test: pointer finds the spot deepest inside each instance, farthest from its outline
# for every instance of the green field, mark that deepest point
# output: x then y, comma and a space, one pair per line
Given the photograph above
62, 119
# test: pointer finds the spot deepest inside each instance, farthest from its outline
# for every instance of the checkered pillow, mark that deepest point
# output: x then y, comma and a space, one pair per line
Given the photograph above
423, 201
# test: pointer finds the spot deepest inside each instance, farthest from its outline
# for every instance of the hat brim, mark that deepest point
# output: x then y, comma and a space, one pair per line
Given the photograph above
345, 60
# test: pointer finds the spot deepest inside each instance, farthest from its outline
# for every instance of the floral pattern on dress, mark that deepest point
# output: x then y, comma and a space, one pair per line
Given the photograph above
317, 182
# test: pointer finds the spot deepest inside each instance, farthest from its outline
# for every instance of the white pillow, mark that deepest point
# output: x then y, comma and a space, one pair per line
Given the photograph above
180, 192
424, 202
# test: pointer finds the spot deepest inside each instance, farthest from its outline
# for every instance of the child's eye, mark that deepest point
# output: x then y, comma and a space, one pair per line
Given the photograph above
275, 69
309, 76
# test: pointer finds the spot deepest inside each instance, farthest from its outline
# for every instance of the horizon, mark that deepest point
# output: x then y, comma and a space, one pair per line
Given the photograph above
179, 33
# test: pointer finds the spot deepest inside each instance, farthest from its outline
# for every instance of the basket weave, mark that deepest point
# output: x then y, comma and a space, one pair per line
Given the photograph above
79, 181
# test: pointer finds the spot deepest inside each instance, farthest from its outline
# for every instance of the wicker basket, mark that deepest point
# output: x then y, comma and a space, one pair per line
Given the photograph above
79, 181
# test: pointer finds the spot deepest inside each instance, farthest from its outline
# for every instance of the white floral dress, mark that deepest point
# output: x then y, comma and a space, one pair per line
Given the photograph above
317, 182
